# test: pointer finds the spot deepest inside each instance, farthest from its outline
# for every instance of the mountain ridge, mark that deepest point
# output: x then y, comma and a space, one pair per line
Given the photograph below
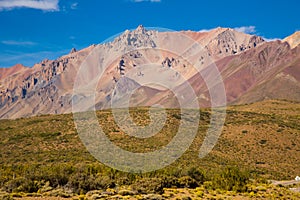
47, 87
293, 40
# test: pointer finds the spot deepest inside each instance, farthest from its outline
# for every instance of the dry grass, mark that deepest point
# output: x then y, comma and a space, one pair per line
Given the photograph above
263, 138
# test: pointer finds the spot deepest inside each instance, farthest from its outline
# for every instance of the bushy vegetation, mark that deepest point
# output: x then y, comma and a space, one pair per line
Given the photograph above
231, 179
44, 156
80, 179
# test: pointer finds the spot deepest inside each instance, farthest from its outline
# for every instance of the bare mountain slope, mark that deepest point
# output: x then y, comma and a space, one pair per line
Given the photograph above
5, 72
293, 40
269, 71
248, 66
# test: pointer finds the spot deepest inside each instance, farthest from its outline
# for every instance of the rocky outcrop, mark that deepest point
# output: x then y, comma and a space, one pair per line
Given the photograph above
229, 42
170, 62
135, 39
39, 88
73, 50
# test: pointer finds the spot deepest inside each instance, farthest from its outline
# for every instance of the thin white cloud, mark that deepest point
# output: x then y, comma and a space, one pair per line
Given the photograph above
246, 29
205, 30
10, 58
152, 1
18, 43
45, 5
74, 6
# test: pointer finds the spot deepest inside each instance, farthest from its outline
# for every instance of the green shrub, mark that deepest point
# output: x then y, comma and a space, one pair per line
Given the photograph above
57, 175
21, 185
187, 182
231, 179
197, 174
82, 183
149, 185
208, 185
6, 197
199, 193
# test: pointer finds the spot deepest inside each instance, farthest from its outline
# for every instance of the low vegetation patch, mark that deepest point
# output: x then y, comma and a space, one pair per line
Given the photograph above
44, 156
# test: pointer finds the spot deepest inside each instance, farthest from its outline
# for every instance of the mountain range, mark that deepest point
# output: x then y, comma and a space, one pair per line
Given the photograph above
252, 69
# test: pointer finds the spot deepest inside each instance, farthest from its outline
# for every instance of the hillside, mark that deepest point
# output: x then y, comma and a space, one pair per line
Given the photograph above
260, 138
251, 69
47, 87
293, 40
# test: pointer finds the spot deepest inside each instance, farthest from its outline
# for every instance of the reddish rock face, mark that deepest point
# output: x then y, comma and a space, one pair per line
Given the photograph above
5, 72
268, 71
251, 68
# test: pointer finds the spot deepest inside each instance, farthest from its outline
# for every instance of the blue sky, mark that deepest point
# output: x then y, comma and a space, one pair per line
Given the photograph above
32, 30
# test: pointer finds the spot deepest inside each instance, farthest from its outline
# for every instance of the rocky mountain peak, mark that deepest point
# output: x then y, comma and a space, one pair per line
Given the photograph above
227, 41
73, 50
140, 37
141, 29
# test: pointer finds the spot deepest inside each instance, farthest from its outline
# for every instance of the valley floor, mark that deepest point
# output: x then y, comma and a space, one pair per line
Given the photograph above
43, 158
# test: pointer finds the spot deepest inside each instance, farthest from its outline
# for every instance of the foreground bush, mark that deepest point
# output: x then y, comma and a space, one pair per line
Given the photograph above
80, 179
231, 179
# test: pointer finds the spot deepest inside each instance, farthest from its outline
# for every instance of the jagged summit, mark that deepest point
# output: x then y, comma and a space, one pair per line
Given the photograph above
141, 28
73, 50
139, 37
